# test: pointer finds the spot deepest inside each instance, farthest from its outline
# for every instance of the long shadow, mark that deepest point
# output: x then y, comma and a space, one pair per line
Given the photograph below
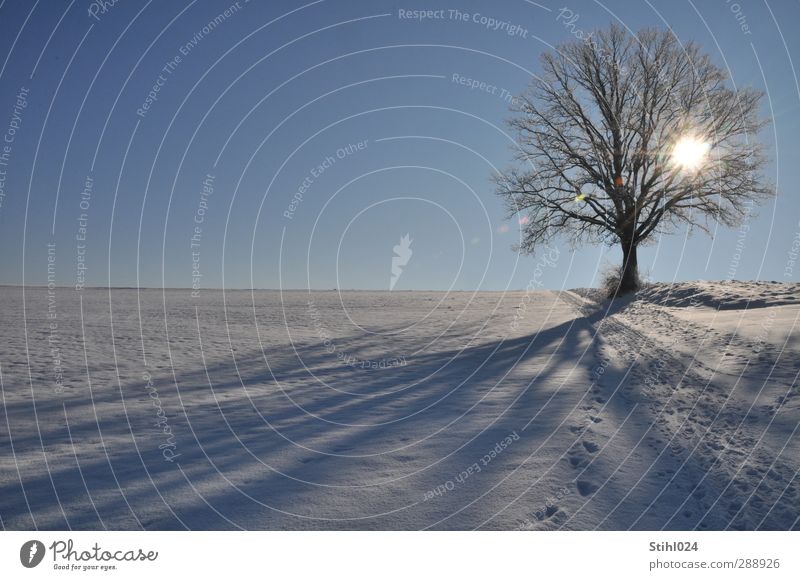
458, 386
250, 452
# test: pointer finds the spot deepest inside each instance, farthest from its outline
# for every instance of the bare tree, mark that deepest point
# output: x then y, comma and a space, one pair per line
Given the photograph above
625, 136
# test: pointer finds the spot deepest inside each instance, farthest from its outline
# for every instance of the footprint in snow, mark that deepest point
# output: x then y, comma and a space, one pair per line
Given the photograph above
590, 446
586, 487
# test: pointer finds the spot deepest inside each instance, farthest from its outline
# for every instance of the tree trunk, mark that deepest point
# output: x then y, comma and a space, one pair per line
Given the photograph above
629, 278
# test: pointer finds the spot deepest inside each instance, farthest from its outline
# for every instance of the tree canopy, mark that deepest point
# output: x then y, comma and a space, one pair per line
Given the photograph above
623, 136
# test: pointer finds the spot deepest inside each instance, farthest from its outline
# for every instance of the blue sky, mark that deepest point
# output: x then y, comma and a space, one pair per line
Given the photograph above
292, 144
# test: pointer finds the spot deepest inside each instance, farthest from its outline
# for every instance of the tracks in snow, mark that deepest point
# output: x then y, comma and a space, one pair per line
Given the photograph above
702, 393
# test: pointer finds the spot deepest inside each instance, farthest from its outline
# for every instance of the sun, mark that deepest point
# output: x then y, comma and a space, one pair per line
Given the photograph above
690, 153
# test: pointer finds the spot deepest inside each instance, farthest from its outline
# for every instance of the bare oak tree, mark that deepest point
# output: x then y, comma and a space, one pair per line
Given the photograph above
625, 136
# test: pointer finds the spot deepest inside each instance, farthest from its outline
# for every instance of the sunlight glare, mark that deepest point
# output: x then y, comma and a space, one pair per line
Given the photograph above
689, 153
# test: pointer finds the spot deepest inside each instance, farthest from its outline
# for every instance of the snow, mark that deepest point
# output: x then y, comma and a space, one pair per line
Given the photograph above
674, 409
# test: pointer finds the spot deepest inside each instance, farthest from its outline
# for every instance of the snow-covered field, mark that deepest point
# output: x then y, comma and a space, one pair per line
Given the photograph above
128, 409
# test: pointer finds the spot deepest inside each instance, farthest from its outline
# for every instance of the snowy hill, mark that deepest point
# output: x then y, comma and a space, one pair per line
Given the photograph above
677, 408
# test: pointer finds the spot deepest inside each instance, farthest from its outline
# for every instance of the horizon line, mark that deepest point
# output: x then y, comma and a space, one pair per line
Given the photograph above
190, 289
216, 289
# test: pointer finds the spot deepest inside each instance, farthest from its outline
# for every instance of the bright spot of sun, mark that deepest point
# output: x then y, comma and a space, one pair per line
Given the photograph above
690, 153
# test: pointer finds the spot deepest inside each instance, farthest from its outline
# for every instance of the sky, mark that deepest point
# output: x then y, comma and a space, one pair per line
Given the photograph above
213, 144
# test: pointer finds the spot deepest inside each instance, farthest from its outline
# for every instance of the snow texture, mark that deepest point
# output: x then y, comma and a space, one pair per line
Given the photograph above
677, 409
